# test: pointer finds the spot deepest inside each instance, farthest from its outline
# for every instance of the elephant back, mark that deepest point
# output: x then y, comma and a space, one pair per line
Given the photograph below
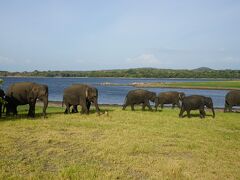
233, 97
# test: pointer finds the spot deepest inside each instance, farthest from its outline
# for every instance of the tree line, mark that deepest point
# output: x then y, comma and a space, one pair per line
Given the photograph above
132, 73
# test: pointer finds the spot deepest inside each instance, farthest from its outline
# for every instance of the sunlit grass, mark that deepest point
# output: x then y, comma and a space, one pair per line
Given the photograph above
122, 144
204, 85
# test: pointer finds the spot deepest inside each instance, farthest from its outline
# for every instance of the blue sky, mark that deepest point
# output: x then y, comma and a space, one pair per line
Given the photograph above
94, 35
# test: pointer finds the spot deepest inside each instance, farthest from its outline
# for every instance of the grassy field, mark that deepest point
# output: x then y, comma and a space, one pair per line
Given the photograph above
196, 85
120, 145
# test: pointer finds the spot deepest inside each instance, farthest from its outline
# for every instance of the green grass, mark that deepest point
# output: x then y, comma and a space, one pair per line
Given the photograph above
201, 85
120, 145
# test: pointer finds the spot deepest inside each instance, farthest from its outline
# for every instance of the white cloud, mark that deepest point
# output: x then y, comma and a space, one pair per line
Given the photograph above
146, 60
6, 60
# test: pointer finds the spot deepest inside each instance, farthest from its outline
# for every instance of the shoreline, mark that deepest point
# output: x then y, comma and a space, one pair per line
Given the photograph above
59, 104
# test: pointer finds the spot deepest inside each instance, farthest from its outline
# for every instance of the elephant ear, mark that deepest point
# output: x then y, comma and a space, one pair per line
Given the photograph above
33, 94
180, 96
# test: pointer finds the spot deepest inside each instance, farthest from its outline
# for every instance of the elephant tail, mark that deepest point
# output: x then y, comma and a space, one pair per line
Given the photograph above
226, 102
125, 100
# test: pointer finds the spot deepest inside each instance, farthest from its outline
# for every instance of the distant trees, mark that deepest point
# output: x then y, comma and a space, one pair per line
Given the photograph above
133, 73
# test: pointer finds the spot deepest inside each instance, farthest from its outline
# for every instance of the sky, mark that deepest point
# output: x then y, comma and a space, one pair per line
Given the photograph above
119, 34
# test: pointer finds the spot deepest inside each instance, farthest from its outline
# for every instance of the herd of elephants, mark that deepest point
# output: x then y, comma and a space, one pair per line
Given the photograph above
23, 93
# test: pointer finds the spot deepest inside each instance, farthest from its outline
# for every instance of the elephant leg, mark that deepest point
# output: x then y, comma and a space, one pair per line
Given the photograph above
88, 103
14, 110
7, 110
143, 106
74, 109
31, 111
178, 104
84, 107
162, 106
125, 105
173, 105
156, 106
132, 107
3, 108
225, 107
202, 113
67, 110
0, 110
188, 114
181, 112
148, 105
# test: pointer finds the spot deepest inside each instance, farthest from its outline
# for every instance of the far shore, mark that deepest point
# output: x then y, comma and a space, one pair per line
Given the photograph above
187, 87
225, 79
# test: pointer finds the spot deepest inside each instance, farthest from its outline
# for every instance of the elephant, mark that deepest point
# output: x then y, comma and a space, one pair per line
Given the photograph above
171, 97
22, 93
2, 96
80, 94
195, 102
139, 96
232, 98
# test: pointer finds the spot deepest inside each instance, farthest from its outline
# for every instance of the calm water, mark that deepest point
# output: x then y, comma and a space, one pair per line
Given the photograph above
114, 94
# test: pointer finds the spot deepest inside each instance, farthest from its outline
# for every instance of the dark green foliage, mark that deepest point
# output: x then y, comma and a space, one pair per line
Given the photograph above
134, 73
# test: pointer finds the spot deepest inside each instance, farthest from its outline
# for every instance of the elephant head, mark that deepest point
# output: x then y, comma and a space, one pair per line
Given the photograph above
39, 91
153, 97
209, 104
92, 96
181, 96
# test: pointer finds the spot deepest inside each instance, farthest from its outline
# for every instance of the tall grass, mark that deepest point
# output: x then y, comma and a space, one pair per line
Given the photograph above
120, 145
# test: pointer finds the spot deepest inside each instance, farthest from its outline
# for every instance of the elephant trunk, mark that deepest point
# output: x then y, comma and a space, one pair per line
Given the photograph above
213, 112
156, 103
96, 106
45, 105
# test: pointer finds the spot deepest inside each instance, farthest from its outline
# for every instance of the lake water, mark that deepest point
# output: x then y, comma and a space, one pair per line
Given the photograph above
114, 94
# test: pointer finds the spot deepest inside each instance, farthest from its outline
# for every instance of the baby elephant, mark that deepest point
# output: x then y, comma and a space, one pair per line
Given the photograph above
195, 102
232, 99
139, 96
171, 97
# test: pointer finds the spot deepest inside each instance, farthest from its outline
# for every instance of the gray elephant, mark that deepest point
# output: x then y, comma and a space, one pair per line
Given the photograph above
139, 96
80, 94
2, 97
232, 98
171, 97
195, 102
26, 93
